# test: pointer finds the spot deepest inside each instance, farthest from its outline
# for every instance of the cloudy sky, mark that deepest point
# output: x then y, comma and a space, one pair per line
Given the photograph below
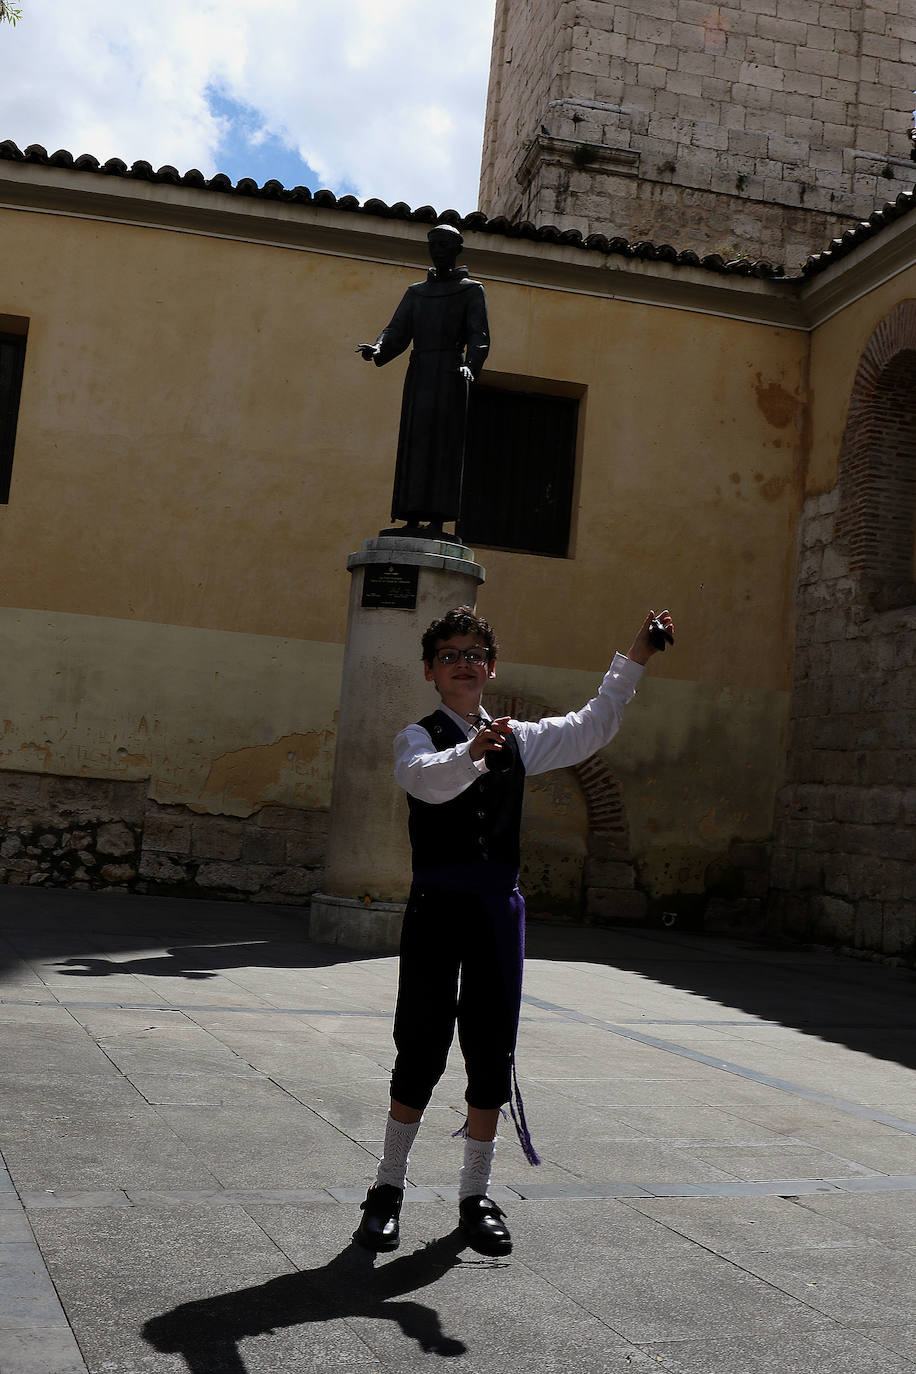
374, 97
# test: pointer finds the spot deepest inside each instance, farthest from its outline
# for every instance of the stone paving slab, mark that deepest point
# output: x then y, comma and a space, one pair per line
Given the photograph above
810, 1352
532, 1187
861, 1285
435, 1297
729, 1226
27, 1297
134, 1264
889, 1216
53, 1088
45, 1349
98, 1148
191, 1121
876, 1149
619, 1160
702, 1125
789, 1159
288, 1144
202, 1090
899, 1337
174, 1047
679, 1296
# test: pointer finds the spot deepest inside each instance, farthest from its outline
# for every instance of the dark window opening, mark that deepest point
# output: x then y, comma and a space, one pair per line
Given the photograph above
520, 461
12, 361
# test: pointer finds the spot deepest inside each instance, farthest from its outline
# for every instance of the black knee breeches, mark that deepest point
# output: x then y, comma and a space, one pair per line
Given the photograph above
454, 970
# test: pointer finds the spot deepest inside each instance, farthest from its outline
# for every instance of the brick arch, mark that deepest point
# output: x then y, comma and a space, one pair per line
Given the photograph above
877, 468
601, 790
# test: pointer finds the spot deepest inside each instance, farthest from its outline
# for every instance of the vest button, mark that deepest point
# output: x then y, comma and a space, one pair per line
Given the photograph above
482, 840
481, 815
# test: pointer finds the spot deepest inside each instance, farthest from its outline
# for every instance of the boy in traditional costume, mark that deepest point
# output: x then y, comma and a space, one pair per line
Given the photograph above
462, 942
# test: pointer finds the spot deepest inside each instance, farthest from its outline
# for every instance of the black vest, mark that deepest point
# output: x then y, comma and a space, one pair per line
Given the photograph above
479, 826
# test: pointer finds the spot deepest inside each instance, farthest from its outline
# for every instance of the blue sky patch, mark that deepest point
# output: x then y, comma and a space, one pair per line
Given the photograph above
246, 150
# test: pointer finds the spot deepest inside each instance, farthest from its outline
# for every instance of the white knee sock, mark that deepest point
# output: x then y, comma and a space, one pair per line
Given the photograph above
474, 1176
399, 1136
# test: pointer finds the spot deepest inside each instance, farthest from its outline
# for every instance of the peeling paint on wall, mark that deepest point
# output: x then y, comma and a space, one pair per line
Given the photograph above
209, 719
242, 780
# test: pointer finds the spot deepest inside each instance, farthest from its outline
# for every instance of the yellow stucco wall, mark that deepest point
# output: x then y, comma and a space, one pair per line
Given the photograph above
699, 764
688, 489
199, 449
194, 419
221, 721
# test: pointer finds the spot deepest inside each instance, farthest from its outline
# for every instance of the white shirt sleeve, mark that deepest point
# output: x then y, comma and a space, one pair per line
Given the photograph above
431, 775
561, 741
555, 742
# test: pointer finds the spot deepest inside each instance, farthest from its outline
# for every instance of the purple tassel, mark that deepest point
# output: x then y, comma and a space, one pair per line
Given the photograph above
521, 1125
462, 1131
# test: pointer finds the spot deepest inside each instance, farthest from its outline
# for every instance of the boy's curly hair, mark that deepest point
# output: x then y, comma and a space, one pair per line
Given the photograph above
460, 621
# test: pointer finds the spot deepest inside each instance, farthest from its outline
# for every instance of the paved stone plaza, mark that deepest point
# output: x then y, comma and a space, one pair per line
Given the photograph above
193, 1099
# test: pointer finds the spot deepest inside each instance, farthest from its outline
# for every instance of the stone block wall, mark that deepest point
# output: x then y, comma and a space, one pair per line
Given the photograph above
737, 888
90, 833
528, 69
843, 864
95, 834
844, 852
760, 130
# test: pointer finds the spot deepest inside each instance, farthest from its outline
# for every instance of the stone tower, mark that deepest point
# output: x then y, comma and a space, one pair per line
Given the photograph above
761, 130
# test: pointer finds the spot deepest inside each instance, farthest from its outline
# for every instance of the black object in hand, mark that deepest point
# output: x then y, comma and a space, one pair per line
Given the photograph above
498, 760
659, 635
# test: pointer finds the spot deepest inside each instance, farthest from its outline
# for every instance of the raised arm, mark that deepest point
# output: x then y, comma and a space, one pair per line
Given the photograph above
563, 741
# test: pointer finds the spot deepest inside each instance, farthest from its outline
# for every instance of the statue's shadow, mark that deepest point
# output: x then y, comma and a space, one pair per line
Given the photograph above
207, 1333
199, 961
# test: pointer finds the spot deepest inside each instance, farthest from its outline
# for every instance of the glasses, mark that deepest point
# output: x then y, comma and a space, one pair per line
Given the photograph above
478, 658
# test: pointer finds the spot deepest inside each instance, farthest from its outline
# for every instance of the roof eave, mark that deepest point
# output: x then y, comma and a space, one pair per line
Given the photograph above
644, 273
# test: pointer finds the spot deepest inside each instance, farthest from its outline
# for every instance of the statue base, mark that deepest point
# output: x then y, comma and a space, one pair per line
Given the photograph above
430, 532
399, 584
415, 550
355, 924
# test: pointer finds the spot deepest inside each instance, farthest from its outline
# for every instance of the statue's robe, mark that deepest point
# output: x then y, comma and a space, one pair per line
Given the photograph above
446, 321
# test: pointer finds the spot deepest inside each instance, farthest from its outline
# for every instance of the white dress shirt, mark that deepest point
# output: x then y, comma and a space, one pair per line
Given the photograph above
554, 742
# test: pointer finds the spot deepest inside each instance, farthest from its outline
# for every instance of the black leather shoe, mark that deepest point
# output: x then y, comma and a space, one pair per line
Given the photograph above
379, 1228
481, 1222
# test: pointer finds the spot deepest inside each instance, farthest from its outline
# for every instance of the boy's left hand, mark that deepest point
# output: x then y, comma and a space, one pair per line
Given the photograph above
490, 738
642, 648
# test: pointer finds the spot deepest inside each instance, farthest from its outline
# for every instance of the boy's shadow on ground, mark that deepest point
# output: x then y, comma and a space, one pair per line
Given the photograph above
207, 1333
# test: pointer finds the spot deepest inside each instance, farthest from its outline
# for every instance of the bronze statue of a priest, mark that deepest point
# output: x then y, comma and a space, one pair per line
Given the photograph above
445, 319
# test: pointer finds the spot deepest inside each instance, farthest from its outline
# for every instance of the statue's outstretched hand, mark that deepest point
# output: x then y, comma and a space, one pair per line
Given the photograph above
368, 351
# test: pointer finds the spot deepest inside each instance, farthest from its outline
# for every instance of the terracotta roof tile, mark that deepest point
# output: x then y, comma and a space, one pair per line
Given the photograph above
476, 221
839, 247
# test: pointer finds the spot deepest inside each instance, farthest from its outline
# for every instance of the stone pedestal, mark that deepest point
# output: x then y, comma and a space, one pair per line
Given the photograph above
383, 689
